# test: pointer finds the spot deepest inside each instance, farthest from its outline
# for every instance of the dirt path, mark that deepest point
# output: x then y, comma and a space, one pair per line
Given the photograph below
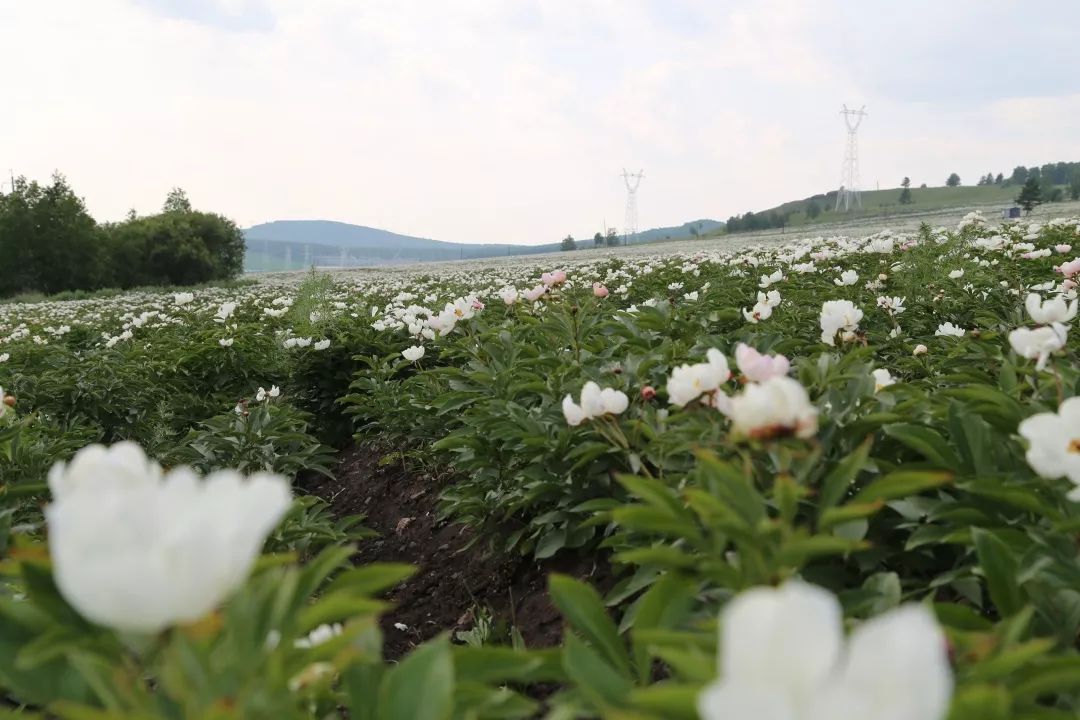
453, 580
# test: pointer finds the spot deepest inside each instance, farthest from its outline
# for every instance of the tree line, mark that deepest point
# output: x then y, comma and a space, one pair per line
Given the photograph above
1055, 180
49, 243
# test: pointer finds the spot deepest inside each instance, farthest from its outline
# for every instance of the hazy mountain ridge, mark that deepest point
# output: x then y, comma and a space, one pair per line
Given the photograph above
296, 244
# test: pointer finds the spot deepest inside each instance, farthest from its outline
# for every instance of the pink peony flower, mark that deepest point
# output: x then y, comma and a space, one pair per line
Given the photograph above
1070, 268
534, 294
555, 277
1062, 249
599, 290
758, 367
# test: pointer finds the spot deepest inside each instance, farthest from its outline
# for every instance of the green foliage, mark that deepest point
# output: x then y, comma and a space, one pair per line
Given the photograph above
1030, 195
52, 245
913, 492
953, 180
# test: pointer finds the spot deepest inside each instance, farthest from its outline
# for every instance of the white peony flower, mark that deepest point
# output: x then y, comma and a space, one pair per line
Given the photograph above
4, 357
181, 299
882, 379
137, 550
1055, 310
1054, 443
319, 635
509, 295
321, 345
767, 280
949, 330
225, 342
764, 308
920, 349
689, 382
414, 353
595, 402
783, 655
957, 274
265, 394
225, 311
839, 316
848, 277
1039, 343
778, 406
891, 305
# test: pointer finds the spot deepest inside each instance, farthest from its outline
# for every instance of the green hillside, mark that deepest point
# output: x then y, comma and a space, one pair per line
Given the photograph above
879, 203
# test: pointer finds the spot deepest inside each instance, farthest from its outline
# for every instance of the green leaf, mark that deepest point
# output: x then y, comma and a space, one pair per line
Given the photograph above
900, 484
668, 701
421, 687
584, 611
373, 578
981, 702
999, 567
797, 551
552, 542
654, 493
926, 442
594, 677
665, 605
842, 476
502, 664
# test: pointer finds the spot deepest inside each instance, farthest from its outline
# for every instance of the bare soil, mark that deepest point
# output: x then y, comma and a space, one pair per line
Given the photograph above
455, 577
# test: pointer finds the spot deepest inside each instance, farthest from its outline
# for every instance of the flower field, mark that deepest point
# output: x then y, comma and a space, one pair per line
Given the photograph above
833, 478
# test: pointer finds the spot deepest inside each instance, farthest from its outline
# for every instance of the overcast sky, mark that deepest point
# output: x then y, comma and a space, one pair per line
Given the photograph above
511, 120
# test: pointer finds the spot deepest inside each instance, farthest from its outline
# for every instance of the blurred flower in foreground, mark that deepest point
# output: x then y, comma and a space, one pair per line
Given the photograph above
138, 550
774, 408
783, 657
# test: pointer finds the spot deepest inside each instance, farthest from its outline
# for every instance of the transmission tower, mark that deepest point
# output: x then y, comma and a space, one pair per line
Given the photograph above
632, 180
848, 196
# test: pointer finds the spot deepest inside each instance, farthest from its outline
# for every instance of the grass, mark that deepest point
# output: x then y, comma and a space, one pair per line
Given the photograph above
67, 295
886, 203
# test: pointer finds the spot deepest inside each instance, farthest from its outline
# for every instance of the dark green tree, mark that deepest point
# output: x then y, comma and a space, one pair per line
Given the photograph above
598, 240
1030, 195
48, 241
176, 202
999, 179
813, 209
953, 181
568, 243
1074, 185
1019, 175
612, 237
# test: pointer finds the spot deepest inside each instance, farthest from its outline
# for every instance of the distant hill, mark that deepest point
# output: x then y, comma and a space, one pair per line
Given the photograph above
298, 244
1058, 180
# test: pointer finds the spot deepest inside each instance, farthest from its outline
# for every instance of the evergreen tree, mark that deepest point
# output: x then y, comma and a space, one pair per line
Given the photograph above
1030, 195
